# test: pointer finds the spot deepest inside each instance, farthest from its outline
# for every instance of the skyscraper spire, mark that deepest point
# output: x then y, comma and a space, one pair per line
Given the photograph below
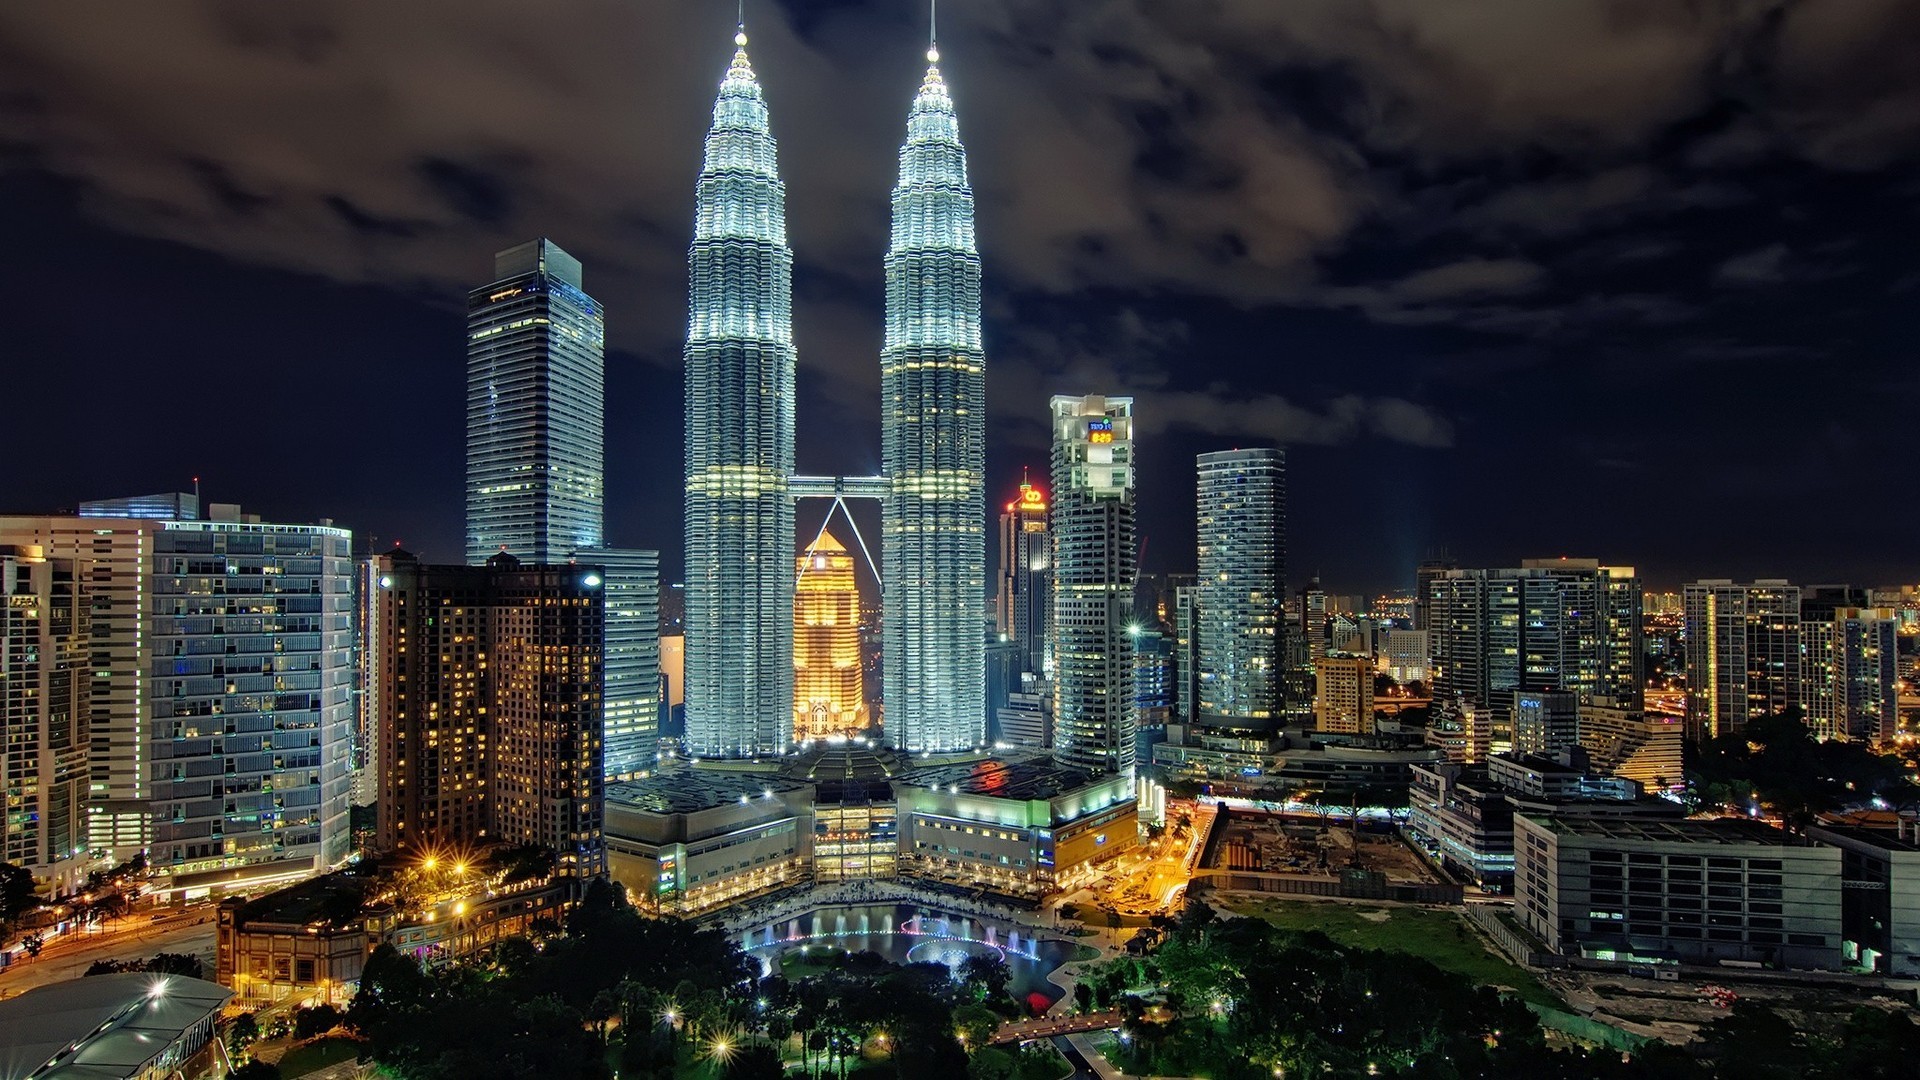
740, 431
933, 432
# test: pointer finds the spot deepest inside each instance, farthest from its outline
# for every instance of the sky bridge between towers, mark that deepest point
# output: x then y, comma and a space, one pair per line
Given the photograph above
839, 489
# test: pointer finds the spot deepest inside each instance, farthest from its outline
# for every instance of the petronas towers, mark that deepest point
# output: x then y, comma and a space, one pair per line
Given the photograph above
740, 360
741, 482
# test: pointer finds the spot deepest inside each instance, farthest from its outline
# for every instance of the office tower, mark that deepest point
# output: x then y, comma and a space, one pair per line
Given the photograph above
492, 720
218, 648
536, 394
830, 696
1424, 576
1343, 698
933, 443
44, 646
1186, 653
1004, 678
1153, 689
1241, 587
1026, 556
1743, 653
1093, 577
1545, 721
1403, 655
631, 724
1313, 613
1549, 624
740, 428
1625, 740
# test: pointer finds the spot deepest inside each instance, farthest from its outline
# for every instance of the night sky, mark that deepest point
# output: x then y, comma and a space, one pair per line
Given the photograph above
1633, 280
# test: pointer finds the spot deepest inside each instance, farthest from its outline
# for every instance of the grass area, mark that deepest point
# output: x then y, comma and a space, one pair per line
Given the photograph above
317, 1055
1440, 937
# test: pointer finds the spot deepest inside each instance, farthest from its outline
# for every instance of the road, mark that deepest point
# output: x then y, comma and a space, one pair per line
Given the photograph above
135, 937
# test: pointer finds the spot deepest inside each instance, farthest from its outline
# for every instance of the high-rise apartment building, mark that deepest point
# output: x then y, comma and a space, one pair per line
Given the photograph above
1241, 588
220, 716
1550, 624
1343, 695
1849, 686
44, 647
1092, 520
829, 681
933, 443
1026, 559
536, 391
1743, 653
492, 715
740, 432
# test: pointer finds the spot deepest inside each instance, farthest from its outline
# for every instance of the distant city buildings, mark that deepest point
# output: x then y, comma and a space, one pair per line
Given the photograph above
492, 708
1092, 521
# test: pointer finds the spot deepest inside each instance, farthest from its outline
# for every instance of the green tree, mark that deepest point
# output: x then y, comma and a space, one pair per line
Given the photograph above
16, 891
256, 1070
976, 1025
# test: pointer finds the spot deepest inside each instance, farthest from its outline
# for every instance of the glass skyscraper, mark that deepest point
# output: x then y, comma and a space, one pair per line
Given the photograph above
933, 443
1093, 580
631, 734
740, 431
1241, 587
536, 391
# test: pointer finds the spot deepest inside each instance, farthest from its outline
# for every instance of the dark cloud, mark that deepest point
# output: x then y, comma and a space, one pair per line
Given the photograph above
1322, 222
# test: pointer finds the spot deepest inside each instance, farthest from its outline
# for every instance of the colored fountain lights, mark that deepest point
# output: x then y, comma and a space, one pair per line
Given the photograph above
950, 940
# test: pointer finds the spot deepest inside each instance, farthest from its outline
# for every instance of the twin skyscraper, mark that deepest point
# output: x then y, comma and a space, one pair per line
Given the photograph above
742, 483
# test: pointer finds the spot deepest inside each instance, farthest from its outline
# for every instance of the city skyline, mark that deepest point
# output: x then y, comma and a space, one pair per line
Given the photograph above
1427, 298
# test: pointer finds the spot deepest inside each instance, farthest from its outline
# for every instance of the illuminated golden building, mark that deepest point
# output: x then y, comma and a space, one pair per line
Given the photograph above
829, 694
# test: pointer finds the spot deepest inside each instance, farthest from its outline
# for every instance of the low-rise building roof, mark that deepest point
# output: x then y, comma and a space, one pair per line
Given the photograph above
105, 1027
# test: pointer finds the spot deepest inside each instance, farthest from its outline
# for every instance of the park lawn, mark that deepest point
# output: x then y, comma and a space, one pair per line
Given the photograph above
1443, 938
317, 1055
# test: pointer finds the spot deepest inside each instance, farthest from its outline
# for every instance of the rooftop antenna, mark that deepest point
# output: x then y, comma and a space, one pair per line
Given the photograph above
933, 31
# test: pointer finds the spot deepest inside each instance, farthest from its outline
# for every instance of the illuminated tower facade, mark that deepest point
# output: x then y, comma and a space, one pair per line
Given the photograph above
933, 443
740, 428
536, 392
829, 689
1023, 612
1242, 582
1093, 578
